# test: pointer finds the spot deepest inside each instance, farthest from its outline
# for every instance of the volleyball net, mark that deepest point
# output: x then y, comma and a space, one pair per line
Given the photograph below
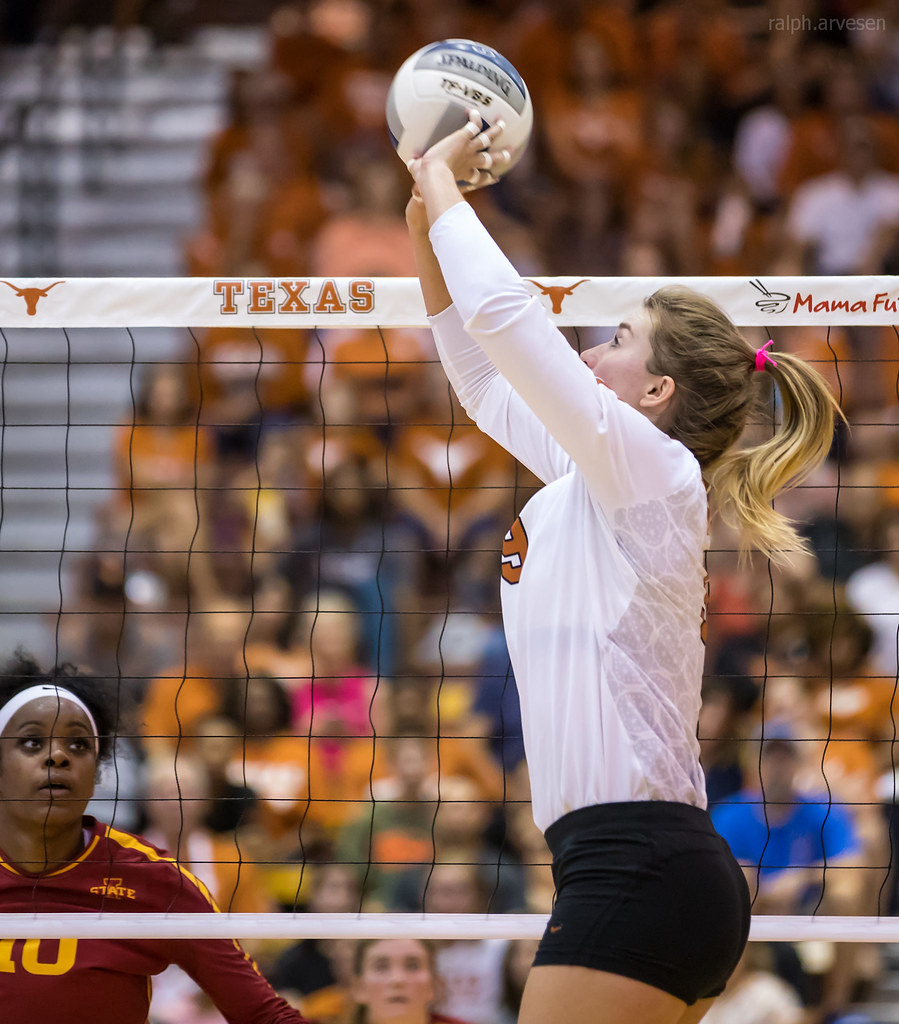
255, 506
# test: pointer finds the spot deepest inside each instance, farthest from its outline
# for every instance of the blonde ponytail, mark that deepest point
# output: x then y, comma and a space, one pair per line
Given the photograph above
745, 481
716, 388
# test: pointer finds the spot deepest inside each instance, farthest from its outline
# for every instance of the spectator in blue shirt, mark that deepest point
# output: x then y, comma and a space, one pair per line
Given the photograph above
784, 837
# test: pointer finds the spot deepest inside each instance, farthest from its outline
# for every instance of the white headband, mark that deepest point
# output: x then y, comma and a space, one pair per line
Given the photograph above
24, 697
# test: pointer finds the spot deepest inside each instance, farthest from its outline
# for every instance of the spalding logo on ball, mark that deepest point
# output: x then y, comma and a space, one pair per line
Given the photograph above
433, 90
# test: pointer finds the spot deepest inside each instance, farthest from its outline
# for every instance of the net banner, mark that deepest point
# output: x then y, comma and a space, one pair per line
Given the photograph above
392, 302
786, 928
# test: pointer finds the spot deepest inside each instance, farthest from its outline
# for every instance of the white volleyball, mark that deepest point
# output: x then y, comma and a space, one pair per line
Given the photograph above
434, 88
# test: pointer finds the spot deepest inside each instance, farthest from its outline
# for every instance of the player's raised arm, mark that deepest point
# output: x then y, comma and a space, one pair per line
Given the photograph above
485, 395
615, 447
430, 276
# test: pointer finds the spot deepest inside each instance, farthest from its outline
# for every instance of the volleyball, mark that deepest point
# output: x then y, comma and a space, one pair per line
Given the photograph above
434, 89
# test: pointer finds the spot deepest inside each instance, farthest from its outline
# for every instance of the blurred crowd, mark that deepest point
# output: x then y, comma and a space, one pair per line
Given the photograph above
320, 709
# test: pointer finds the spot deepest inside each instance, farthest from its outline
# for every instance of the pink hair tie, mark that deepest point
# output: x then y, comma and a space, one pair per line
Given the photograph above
762, 357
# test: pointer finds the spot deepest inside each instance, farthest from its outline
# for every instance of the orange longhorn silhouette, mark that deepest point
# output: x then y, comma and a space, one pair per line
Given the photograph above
32, 295
556, 292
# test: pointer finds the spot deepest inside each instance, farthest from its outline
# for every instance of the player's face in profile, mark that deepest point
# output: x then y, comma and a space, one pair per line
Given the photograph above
621, 362
48, 761
396, 981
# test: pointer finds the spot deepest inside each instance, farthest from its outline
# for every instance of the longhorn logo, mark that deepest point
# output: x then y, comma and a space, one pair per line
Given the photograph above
556, 292
32, 296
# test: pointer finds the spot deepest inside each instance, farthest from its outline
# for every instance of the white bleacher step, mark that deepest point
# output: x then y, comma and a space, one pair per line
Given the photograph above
10, 254
153, 164
50, 502
77, 468
125, 256
154, 265
56, 380
37, 73
85, 470
119, 190
10, 167
41, 593
120, 126
148, 233
30, 593
97, 212
80, 413
84, 474
89, 349
33, 633
43, 442
10, 209
105, 411
49, 499
243, 46
44, 367
174, 85
47, 533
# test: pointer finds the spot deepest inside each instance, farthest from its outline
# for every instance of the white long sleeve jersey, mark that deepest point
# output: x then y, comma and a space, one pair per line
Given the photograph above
603, 577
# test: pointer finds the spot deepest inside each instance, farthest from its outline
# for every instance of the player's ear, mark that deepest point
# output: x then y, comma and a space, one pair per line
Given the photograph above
658, 394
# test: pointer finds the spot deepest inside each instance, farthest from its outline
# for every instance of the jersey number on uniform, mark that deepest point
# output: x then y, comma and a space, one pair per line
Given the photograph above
515, 549
30, 960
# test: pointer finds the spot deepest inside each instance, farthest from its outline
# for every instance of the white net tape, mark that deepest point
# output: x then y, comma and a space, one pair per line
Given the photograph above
397, 302
379, 926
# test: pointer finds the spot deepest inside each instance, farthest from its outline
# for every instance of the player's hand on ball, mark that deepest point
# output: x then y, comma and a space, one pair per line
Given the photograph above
469, 153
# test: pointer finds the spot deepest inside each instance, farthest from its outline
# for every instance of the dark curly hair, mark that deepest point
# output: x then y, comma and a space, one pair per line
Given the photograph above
98, 693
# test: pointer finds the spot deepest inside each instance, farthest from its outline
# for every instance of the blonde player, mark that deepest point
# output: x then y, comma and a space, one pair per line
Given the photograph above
603, 589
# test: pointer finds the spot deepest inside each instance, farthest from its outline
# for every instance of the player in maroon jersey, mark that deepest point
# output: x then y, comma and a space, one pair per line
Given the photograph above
55, 728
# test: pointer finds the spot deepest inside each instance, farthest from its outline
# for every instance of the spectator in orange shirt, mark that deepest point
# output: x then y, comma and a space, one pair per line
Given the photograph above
163, 467
407, 709
372, 381
194, 685
366, 238
463, 835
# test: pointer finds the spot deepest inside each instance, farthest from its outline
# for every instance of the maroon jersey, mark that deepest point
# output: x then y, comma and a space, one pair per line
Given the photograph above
108, 981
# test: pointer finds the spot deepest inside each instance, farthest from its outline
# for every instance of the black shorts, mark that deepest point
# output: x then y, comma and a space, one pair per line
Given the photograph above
650, 891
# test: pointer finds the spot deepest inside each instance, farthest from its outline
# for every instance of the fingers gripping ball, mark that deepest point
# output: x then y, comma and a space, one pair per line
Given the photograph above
434, 89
